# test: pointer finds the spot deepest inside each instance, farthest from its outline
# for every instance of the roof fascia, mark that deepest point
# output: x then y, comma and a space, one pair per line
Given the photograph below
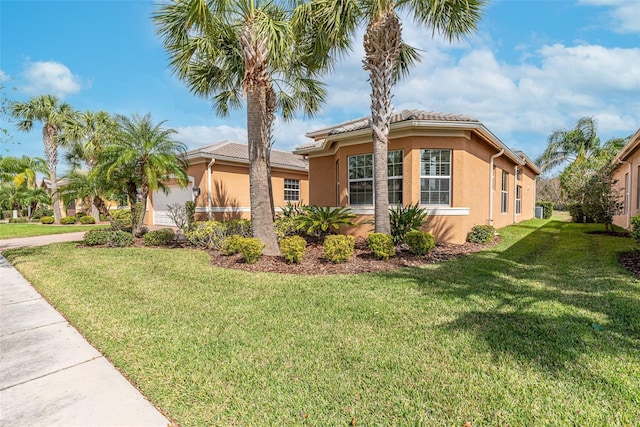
633, 144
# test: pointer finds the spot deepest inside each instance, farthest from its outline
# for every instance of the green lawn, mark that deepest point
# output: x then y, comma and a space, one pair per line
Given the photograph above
543, 329
11, 231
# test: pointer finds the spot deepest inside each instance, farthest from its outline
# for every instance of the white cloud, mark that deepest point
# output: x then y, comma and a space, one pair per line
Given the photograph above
50, 78
199, 136
623, 14
3, 76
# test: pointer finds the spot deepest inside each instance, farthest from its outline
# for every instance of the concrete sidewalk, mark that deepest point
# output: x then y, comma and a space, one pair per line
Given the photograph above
49, 374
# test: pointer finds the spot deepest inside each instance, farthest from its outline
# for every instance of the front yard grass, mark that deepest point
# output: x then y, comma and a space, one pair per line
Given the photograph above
11, 231
542, 329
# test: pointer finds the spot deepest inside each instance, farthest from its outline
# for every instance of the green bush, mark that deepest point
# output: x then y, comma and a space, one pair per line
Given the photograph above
19, 220
547, 208
40, 212
206, 234
293, 248
80, 214
381, 245
404, 219
338, 248
241, 227
251, 249
190, 210
96, 237
635, 228
481, 234
122, 217
319, 221
103, 217
47, 220
232, 244
68, 220
419, 242
120, 239
160, 237
9, 214
285, 226
87, 219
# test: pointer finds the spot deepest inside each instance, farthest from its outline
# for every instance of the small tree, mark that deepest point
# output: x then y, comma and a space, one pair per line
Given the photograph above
178, 214
602, 197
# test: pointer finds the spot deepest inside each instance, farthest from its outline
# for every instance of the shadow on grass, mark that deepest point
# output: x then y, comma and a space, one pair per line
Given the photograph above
549, 297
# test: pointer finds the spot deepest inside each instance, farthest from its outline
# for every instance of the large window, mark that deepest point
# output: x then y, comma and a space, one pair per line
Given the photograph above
518, 199
504, 199
361, 178
435, 177
292, 190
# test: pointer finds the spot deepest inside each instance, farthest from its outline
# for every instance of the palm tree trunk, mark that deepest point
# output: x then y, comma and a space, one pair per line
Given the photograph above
382, 44
261, 211
98, 203
49, 135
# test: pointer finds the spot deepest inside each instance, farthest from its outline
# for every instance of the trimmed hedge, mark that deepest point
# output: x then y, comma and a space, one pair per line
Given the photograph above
547, 208
251, 248
635, 228
338, 248
47, 220
19, 220
96, 237
419, 242
87, 219
481, 234
381, 244
160, 237
68, 220
232, 245
293, 248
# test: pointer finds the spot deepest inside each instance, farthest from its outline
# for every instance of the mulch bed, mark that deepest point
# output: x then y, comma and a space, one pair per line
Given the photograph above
631, 261
363, 260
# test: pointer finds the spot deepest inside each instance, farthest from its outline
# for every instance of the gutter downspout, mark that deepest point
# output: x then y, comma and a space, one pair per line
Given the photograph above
209, 185
628, 192
492, 179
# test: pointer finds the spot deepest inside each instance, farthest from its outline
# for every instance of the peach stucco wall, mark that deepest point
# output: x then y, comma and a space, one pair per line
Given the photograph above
470, 183
631, 189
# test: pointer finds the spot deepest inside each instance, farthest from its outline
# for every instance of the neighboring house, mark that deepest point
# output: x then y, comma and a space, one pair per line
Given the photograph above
219, 183
627, 173
74, 206
452, 164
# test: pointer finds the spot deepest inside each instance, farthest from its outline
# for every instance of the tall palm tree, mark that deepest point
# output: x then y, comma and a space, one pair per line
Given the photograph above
567, 145
142, 156
53, 115
225, 50
387, 57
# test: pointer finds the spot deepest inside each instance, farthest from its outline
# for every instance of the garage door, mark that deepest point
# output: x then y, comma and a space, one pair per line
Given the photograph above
161, 202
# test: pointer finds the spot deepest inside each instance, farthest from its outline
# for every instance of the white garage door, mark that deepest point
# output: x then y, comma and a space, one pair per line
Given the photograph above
161, 202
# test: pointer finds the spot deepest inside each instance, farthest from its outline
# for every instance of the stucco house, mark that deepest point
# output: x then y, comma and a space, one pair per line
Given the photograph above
219, 183
627, 173
451, 164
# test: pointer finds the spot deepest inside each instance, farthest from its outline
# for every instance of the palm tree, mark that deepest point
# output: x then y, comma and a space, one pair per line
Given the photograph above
226, 50
53, 114
22, 170
141, 157
32, 198
387, 57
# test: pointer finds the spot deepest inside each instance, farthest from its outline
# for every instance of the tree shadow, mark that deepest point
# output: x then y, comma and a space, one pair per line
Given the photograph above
221, 198
529, 302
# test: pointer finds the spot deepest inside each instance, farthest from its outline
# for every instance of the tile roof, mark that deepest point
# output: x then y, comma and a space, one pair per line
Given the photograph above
236, 151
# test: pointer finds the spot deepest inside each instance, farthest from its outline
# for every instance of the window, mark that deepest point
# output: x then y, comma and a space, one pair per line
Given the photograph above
626, 194
361, 178
435, 177
519, 174
394, 172
518, 199
504, 195
292, 190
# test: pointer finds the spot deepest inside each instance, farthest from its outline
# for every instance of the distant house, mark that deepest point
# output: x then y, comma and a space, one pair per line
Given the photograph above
451, 164
219, 183
627, 173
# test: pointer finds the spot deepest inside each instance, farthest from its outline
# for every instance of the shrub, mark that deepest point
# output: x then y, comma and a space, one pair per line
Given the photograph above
19, 220
232, 244
9, 214
318, 221
96, 237
87, 219
47, 220
160, 237
381, 245
481, 234
635, 228
291, 210
190, 211
80, 214
547, 208
40, 212
338, 248
419, 242
404, 219
68, 220
207, 234
103, 217
122, 217
293, 248
285, 226
120, 239
251, 249
241, 227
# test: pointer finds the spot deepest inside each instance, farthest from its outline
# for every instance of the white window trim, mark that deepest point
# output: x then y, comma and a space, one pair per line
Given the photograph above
296, 190
518, 200
437, 176
373, 184
504, 191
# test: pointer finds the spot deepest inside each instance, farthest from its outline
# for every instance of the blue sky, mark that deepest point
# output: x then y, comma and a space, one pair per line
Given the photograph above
533, 66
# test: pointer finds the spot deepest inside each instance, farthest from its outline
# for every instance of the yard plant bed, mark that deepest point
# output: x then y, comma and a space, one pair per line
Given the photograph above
363, 261
540, 329
631, 261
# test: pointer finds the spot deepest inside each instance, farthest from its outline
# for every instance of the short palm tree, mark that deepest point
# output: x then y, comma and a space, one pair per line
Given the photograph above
142, 157
53, 114
229, 49
387, 57
22, 170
